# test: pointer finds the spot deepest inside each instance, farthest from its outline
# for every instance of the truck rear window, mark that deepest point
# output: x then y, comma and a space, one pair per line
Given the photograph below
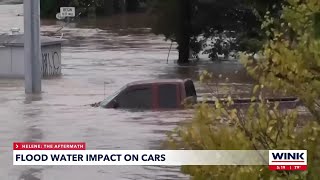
168, 96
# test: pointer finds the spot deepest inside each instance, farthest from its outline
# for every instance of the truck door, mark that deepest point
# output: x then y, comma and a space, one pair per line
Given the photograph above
168, 96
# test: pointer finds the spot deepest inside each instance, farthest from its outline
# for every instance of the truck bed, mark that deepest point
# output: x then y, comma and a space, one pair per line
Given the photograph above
284, 102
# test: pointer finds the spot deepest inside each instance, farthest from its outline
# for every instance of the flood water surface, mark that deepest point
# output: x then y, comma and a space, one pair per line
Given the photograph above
96, 60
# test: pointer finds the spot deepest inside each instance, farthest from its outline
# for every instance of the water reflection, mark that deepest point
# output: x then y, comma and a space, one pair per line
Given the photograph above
32, 97
33, 132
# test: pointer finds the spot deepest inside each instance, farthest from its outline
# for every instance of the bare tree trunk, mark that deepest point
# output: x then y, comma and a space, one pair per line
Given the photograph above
184, 31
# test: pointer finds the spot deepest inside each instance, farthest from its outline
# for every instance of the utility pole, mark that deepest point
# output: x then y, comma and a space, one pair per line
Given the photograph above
32, 46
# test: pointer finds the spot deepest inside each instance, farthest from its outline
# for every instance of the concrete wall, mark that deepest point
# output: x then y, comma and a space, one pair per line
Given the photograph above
51, 60
12, 61
17, 60
5, 61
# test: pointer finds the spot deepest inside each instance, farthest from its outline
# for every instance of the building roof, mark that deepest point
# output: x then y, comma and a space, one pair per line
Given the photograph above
18, 40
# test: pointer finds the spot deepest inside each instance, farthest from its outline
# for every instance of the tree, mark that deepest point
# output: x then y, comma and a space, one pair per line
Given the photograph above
290, 62
173, 20
234, 25
48, 8
230, 25
183, 34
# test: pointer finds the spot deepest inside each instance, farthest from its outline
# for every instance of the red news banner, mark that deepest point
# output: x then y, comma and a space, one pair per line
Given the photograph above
288, 167
49, 146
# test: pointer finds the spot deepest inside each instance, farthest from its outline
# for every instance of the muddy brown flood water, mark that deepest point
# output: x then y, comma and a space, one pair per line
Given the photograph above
98, 52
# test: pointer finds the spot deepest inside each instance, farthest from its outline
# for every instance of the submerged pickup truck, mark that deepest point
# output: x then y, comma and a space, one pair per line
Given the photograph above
167, 94
152, 94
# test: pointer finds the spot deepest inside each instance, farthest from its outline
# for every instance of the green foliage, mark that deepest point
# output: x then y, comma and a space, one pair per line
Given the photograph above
290, 60
48, 8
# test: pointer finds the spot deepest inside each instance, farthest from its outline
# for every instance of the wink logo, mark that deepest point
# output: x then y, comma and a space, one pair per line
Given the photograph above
288, 160
288, 157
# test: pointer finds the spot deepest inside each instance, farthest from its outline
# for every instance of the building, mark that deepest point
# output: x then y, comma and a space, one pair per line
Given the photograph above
12, 56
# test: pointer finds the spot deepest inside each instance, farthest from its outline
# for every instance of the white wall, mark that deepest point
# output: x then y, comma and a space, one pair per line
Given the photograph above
12, 61
17, 54
5, 61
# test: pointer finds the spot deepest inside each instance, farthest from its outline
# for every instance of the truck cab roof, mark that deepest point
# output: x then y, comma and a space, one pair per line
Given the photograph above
156, 81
